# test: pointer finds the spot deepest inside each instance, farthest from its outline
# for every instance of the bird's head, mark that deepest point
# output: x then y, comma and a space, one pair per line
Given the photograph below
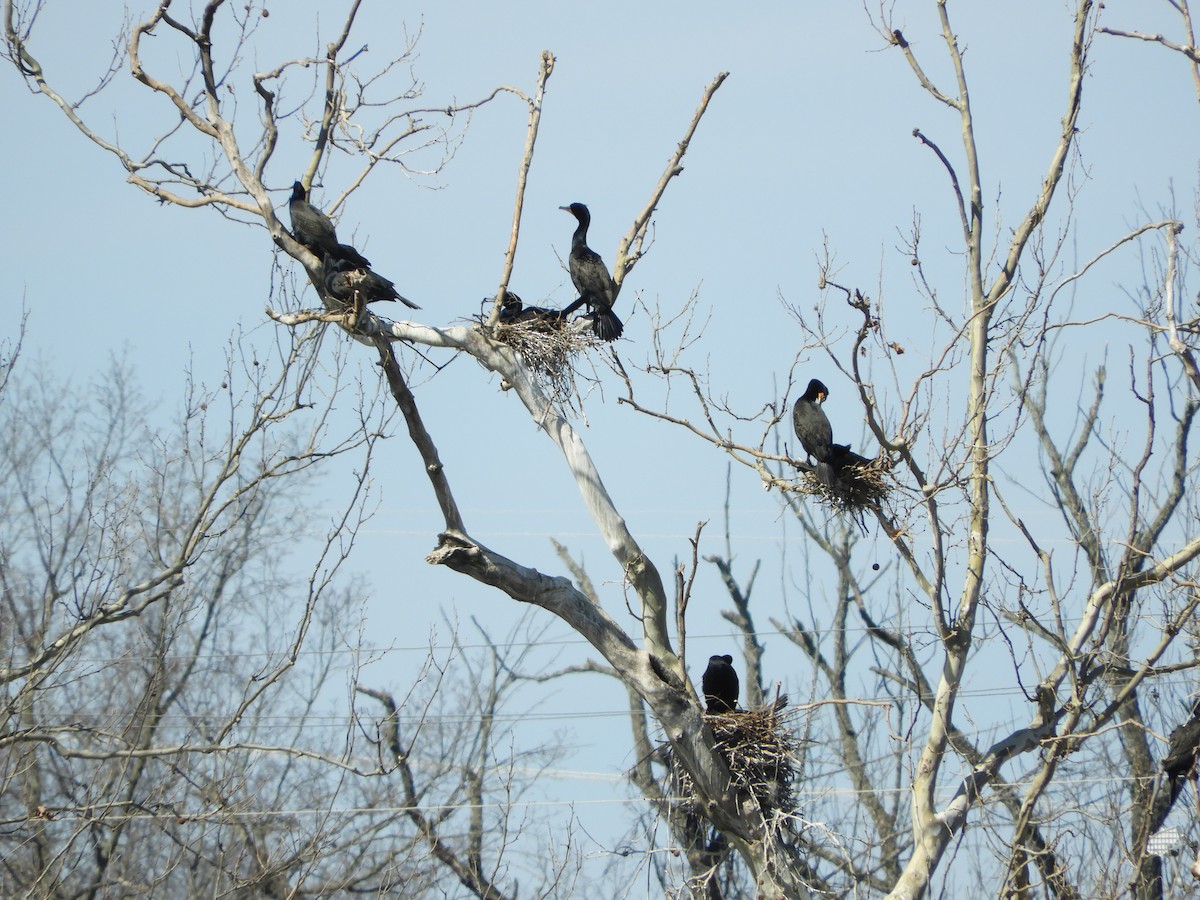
816, 392
579, 211
298, 191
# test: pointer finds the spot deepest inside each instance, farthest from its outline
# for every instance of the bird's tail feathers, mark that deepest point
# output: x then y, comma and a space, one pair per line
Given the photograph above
606, 325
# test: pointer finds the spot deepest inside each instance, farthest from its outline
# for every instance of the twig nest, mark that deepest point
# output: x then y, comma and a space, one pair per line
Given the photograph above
547, 345
855, 487
763, 756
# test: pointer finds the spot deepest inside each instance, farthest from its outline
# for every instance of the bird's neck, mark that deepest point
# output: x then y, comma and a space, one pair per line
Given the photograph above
579, 239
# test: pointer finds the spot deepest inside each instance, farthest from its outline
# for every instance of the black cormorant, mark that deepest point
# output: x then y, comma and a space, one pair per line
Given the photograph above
813, 429
1182, 749
720, 684
344, 280
513, 310
841, 456
315, 230
590, 277
511, 305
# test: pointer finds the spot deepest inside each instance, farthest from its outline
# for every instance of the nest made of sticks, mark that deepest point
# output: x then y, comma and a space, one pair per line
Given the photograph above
855, 487
763, 756
547, 345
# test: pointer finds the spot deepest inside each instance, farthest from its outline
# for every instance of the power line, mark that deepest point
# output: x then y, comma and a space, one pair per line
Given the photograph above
379, 650
341, 719
945, 794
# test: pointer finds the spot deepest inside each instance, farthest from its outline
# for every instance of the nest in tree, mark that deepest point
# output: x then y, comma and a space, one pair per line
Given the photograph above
762, 754
546, 344
855, 486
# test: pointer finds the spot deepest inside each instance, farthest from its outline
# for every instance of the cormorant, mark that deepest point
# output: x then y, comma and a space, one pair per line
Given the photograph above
511, 307
841, 456
345, 281
315, 230
720, 684
813, 429
590, 277
1182, 749
513, 310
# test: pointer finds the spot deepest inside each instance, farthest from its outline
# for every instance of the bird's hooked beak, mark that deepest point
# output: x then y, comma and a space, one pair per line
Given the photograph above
566, 209
821, 395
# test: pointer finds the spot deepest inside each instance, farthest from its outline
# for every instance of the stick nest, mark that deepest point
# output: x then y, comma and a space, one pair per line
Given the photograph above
855, 488
763, 756
548, 346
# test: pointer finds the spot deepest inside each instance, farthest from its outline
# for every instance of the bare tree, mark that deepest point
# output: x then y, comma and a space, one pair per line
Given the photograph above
167, 659
1087, 633
235, 185
129, 556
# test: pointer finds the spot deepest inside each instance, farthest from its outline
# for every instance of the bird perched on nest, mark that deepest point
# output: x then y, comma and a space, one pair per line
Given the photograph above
590, 277
813, 429
315, 230
355, 284
720, 684
1183, 746
513, 310
841, 456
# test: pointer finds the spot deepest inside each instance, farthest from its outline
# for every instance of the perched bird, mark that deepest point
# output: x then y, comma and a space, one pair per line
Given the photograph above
351, 283
720, 684
513, 310
813, 429
511, 303
590, 277
1182, 748
315, 230
841, 456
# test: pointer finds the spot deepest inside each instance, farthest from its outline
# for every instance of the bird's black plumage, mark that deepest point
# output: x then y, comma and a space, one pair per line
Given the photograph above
590, 277
720, 684
513, 310
315, 230
841, 456
1183, 746
348, 282
813, 429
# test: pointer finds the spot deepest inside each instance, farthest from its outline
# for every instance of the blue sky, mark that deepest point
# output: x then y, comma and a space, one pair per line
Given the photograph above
808, 140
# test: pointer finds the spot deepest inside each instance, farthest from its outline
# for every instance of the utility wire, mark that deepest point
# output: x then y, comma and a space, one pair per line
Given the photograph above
90, 812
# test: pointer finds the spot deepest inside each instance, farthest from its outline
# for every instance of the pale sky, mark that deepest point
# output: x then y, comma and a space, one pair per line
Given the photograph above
808, 140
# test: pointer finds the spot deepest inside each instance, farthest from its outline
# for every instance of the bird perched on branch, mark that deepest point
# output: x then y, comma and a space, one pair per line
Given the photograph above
315, 230
355, 284
1183, 746
590, 277
720, 684
813, 428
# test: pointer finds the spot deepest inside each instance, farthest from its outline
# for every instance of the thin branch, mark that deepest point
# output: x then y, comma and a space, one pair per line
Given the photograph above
535, 118
636, 236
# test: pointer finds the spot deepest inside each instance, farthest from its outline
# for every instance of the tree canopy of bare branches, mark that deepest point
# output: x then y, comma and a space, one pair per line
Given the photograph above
1032, 528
